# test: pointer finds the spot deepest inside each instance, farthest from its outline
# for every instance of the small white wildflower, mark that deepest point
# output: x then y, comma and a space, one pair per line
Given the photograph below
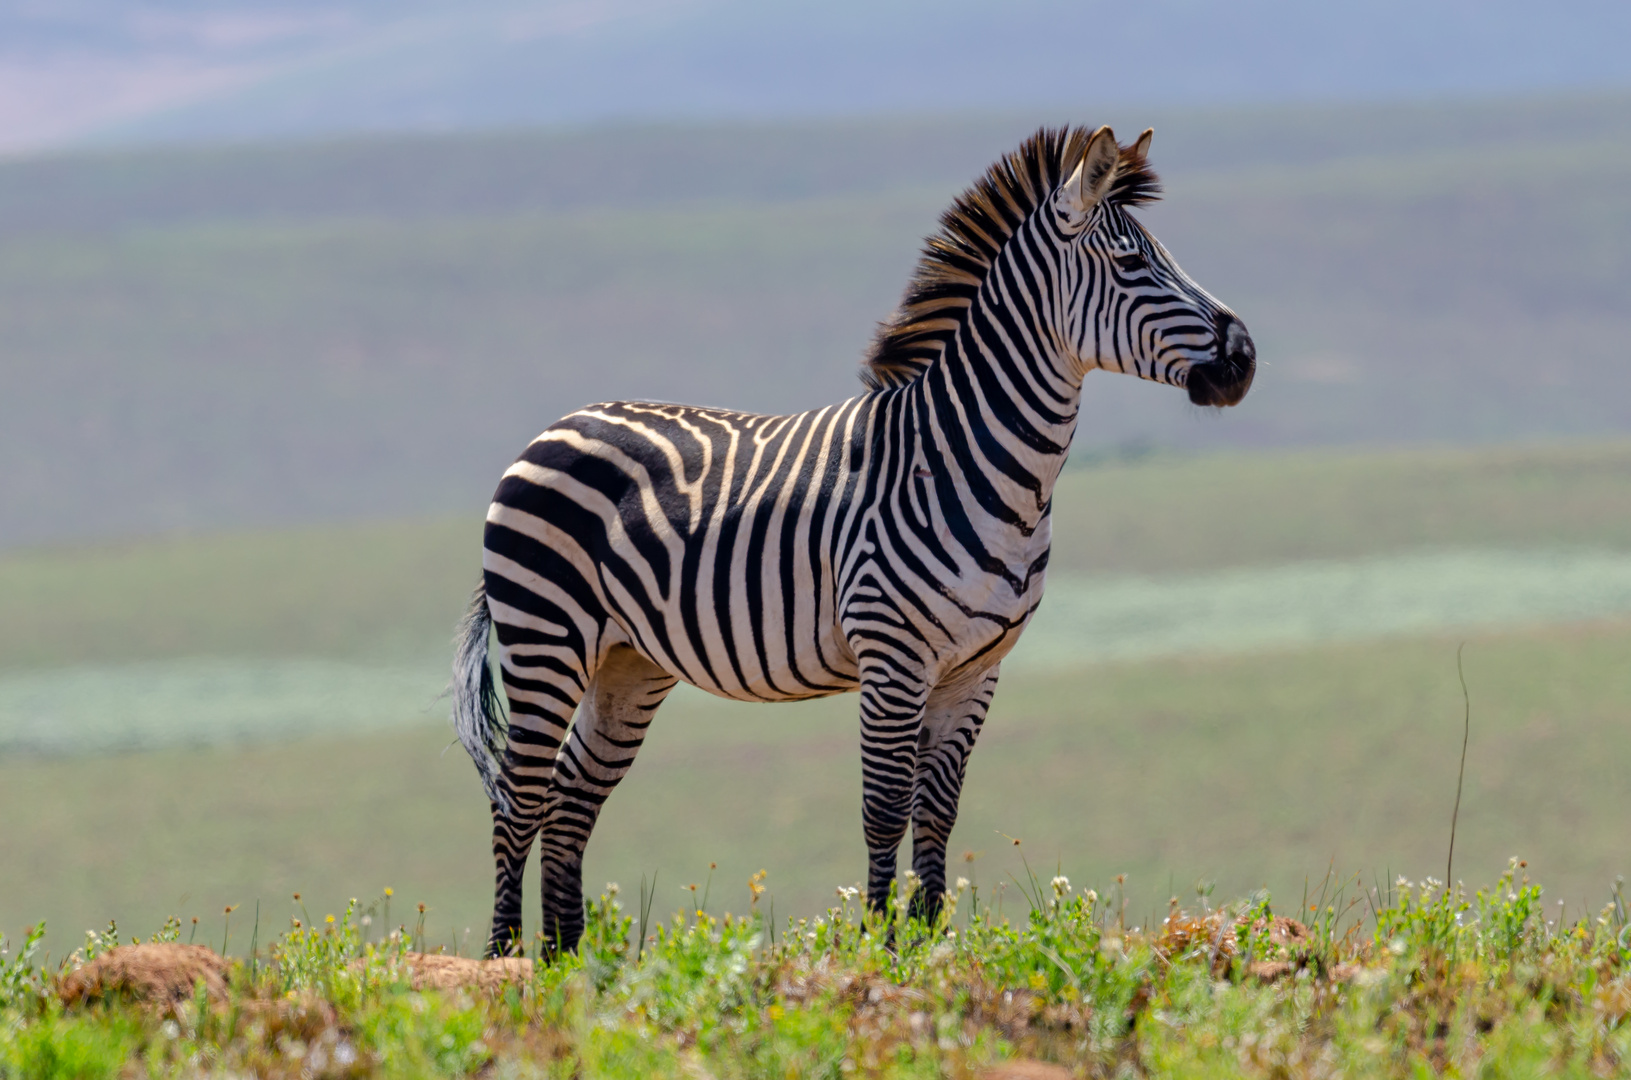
611, 888
1091, 896
1061, 885
962, 884
171, 1029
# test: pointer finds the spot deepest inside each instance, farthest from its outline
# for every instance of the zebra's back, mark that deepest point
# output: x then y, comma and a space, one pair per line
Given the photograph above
707, 539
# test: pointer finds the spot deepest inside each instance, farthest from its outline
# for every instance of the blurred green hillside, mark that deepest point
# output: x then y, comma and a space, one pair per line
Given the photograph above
198, 339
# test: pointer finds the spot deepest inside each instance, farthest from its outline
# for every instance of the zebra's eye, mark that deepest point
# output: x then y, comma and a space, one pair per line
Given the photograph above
1131, 262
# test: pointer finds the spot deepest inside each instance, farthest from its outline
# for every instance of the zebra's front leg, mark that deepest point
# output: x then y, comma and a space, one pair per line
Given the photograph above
606, 735
891, 714
951, 724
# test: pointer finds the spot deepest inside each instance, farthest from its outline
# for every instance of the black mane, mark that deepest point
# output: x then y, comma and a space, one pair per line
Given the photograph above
956, 259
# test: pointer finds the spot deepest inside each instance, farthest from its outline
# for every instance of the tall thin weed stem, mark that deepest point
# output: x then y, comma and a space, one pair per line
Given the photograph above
1466, 735
646, 900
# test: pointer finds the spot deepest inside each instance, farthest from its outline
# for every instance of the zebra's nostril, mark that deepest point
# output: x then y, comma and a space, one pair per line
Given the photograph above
1225, 380
1235, 346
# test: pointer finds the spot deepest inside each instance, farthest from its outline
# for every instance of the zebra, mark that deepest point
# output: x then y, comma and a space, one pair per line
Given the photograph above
893, 544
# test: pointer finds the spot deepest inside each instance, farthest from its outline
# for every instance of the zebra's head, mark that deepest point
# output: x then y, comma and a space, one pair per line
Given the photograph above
1048, 231
1127, 305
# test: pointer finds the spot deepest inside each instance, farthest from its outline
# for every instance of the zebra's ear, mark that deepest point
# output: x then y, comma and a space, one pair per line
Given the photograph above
1141, 148
1093, 176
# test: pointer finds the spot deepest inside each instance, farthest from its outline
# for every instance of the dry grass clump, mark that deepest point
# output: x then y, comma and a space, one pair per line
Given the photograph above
433, 971
162, 973
1288, 944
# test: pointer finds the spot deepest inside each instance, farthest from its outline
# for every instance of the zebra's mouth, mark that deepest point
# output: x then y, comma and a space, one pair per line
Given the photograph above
1225, 380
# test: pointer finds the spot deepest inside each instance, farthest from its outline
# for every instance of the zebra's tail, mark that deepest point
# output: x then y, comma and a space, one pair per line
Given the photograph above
478, 718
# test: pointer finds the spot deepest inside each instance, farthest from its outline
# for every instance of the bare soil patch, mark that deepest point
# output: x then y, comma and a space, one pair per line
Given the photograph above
1028, 1070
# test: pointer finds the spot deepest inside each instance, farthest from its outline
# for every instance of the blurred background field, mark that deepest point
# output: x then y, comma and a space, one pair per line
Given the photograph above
284, 287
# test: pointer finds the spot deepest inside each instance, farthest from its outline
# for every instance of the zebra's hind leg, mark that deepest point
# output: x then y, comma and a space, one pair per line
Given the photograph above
610, 727
542, 690
951, 723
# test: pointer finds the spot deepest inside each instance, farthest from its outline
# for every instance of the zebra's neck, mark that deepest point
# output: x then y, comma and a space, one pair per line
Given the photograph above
1004, 398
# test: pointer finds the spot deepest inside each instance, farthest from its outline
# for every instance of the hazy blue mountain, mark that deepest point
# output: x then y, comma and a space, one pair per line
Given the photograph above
188, 69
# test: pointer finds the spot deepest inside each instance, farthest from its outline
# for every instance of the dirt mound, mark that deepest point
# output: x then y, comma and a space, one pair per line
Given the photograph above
1027, 1070
166, 973
432, 971
159, 972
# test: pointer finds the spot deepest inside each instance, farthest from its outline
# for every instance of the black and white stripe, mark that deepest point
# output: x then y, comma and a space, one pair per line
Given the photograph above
893, 544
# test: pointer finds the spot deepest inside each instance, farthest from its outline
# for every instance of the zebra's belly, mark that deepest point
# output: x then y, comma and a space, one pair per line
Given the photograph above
753, 661
772, 659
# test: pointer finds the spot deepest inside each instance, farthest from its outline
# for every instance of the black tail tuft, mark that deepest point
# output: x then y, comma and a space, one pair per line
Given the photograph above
478, 717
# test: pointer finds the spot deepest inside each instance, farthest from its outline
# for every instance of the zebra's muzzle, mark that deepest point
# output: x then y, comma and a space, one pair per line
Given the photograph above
1225, 380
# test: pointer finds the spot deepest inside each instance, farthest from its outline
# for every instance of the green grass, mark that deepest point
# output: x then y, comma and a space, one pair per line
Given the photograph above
1402, 980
